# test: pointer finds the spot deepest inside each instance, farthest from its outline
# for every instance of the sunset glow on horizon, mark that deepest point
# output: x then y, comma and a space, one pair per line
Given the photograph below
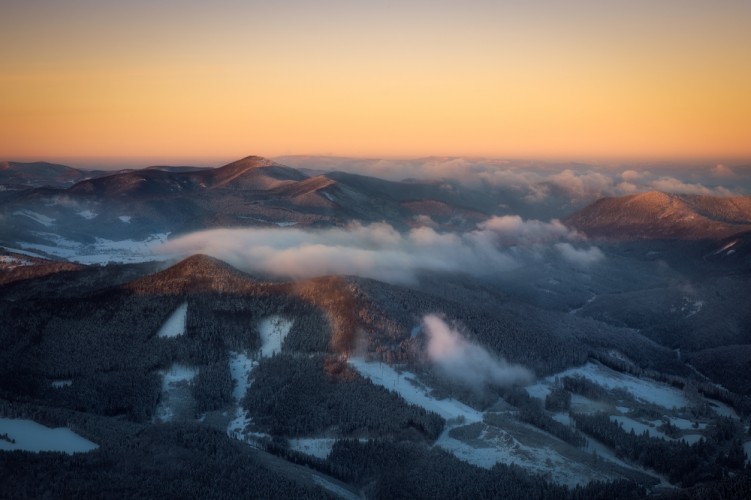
569, 79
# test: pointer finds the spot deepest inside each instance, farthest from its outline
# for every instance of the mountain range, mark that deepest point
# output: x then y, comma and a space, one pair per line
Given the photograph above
599, 355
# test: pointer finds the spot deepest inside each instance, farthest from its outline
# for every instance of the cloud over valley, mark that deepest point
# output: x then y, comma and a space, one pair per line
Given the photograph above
381, 252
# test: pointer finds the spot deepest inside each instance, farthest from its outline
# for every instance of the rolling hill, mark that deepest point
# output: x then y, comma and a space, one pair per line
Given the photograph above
657, 215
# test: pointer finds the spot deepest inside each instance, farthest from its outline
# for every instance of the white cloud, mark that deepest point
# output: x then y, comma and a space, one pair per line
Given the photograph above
673, 185
376, 251
466, 362
721, 170
510, 230
633, 175
581, 185
579, 256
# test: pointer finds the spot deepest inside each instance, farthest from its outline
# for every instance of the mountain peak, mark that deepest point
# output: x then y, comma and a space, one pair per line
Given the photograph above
658, 215
251, 161
197, 273
652, 198
251, 172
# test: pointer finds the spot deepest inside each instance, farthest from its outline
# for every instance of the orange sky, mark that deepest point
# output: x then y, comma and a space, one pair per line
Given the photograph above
576, 78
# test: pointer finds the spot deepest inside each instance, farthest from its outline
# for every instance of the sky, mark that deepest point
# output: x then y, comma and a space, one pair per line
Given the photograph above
574, 79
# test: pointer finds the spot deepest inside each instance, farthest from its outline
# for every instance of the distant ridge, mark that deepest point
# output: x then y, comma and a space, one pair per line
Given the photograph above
658, 215
38, 174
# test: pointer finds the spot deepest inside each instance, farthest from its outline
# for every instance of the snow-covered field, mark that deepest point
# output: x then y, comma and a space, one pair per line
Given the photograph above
643, 389
384, 375
176, 399
102, 251
505, 444
41, 219
580, 404
686, 424
273, 330
240, 367
316, 447
175, 324
495, 445
31, 436
638, 427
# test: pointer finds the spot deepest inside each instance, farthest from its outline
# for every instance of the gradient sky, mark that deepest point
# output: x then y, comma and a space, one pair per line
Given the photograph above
224, 79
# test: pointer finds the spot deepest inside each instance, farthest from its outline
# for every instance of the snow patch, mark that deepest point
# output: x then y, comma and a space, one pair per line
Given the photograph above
726, 247
563, 418
175, 324
647, 390
589, 301
285, 224
694, 438
28, 435
41, 219
747, 449
315, 447
273, 330
401, 383
685, 424
87, 214
176, 398
125, 219
58, 384
630, 424
10, 262
581, 404
495, 445
722, 409
333, 488
22, 252
539, 390
178, 373
240, 368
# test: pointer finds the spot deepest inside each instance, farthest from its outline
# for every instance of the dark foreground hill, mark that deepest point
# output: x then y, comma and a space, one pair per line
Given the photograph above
91, 349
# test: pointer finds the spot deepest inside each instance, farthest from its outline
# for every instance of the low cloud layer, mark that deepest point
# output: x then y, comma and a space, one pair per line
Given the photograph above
468, 363
381, 252
539, 182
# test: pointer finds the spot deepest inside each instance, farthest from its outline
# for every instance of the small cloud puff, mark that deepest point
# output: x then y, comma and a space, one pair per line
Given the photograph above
721, 170
466, 362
